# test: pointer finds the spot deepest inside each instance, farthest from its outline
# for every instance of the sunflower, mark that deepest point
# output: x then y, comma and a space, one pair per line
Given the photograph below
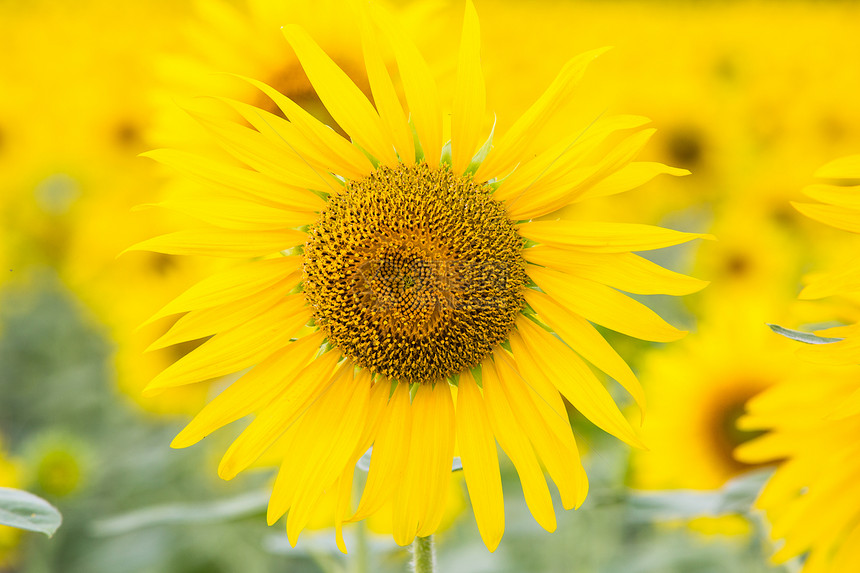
394, 274
813, 422
244, 38
697, 390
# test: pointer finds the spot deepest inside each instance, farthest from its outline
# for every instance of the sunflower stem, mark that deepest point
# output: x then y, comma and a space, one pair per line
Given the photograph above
423, 555
362, 549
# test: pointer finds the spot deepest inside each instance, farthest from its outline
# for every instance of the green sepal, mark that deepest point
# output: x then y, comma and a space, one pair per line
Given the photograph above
534, 319
476, 374
528, 310
482, 153
419, 149
373, 160
805, 337
294, 251
446, 158
496, 183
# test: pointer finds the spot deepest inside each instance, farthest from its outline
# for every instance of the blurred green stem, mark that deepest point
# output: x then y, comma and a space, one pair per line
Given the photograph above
359, 564
423, 555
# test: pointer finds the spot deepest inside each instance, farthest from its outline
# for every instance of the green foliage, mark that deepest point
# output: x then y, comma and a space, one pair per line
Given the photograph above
24, 510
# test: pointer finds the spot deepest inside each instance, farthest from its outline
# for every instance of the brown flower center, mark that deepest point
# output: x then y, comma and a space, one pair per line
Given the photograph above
415, 273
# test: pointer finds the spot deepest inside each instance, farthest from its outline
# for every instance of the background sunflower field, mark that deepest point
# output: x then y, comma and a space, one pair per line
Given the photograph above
751, 97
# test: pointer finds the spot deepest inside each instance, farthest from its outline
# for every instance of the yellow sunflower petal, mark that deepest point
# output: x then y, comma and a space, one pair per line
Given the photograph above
512, 147
847, 196
849, 407
342, 98
419, 502
513, 441
470, 94
221, 175
630, 177
384, 94
233, 284
390, 453
624, 271
343, 487
208, 321
284, 134
337, 153
844, 281
604, 237
842, 168
237, 213
255, 150
279, 415
563, 157
379, 393
419, 86
477, 449
848, 554
332, 427
229, 243
549, 195
604, 306
574, 380
232, 350
284, 488
821, 525
437, 437
836, 353
544, 393
839, 217
252, 391
561, 458
588, 342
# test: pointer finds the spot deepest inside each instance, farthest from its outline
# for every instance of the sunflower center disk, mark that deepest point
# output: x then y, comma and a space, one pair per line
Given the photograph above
414, 273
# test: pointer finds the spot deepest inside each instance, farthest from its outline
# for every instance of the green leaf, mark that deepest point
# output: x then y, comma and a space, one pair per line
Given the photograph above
250, 503
736, 497
24, 510
806, 337
419, 149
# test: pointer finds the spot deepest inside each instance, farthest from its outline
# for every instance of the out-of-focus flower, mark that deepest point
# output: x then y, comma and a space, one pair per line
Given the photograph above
74, 115
739, 103
813, 418
409, 292
223, 38
697, 391
57, 464
755, 263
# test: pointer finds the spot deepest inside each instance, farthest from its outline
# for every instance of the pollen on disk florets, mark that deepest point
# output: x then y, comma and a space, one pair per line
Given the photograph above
414, 272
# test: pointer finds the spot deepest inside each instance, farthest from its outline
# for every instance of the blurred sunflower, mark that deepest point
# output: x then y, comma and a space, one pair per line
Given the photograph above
813, 421
697, 390
389, 272
71, 173
244, 38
